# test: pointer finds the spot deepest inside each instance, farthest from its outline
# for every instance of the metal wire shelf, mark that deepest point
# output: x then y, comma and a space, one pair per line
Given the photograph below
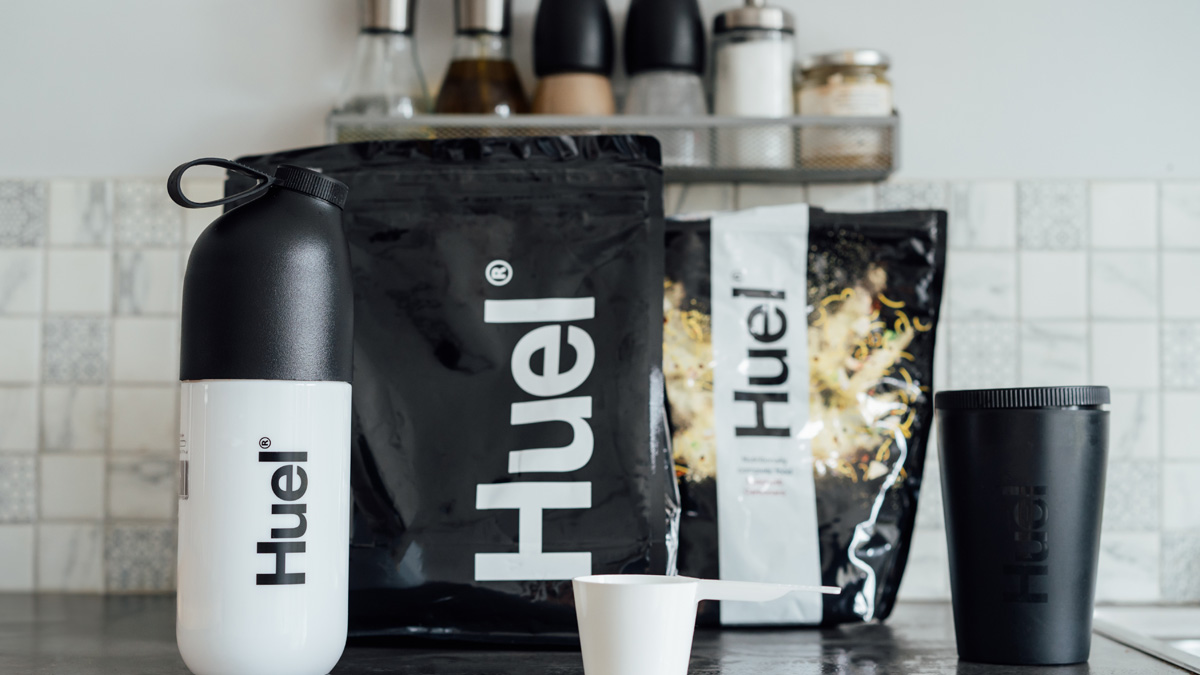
695, 150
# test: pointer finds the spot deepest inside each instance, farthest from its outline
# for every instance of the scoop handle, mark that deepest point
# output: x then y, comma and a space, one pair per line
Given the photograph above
750, 591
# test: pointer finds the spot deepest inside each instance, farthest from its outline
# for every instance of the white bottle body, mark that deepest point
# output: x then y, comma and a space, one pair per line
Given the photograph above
255, 456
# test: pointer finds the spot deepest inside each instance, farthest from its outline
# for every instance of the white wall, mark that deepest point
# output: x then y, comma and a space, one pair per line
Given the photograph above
1023, 88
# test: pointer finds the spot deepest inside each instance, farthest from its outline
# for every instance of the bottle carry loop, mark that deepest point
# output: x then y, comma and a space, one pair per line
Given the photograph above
175, 189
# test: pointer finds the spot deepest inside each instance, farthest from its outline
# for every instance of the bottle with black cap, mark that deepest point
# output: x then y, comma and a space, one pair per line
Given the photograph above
386, 79
665, 56
482, 78
264, 442
573, 56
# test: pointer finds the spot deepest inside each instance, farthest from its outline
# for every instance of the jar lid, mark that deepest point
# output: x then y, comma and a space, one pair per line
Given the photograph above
573, 36
393, 16
756, 15
1029, 397
483, 16
846, 57
664, 35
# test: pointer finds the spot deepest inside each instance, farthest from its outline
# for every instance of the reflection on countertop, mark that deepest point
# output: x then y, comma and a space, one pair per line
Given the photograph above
93, 634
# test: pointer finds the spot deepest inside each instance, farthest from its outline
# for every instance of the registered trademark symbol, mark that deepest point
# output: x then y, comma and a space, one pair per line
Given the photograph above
498, 272
737, 277
264, 442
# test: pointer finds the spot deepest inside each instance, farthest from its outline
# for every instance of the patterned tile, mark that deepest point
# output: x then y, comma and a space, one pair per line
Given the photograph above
143, 487
983, 354
1181, 499
76, 350
81, 212
930, 514
1131, 496
1181, 567
1052, 215
74, 417
70, 557
140, 557
20, 281
18, 488
911, 195
143, 215
1181, 354
22, 213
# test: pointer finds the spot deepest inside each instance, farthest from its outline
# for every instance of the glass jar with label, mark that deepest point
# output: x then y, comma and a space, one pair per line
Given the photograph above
851, 83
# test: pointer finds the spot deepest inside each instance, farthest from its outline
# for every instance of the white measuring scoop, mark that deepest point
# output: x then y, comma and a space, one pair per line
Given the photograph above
641, 624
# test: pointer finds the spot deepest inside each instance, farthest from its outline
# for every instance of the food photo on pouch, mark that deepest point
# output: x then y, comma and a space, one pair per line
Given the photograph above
601, 337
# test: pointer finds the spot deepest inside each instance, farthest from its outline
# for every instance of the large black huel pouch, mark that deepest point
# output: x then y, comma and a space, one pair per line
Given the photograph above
509, 430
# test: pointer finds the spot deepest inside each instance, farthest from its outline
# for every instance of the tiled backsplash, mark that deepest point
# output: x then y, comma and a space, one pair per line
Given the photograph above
1049, 282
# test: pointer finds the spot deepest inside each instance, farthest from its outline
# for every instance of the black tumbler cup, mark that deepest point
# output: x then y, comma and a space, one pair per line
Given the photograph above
1023, 483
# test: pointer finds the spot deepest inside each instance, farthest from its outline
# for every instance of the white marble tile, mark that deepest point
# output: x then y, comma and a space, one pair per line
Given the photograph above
983, 354
983, 215
80, 212
847, 197
672, 198
1181, 567
145, 418
927, 574
18, 419
21, 280
930, 513
1181, 285
751, 195
74, 417
1134, 425
1179, 425
1181, 496
144, 216
982, 285
1128, 567
706, 197
143, 486
1181, 214
72, 487
148, 282
1054, 353
16, 558
1052, 215
20, 344
1131, 496
941, 356
1125, 355
911, 194
70, 557
145, 350
195, 220
1125, 285
1124, 215
79, 281
1053, 285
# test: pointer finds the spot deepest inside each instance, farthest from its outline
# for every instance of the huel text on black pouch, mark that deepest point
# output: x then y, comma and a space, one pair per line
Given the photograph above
509, 430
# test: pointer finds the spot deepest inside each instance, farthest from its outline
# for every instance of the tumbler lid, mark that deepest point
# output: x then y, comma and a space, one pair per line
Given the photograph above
1030, 397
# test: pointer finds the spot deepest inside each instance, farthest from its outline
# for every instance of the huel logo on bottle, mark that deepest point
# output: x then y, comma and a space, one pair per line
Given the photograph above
1030, 550
552, 404
289, 483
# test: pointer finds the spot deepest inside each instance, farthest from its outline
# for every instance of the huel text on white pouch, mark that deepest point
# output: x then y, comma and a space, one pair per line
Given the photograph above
264, 443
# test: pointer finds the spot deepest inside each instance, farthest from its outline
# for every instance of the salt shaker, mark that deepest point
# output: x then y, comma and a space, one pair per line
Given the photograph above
753, 57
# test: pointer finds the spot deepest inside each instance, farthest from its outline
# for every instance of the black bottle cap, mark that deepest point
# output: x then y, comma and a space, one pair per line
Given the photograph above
1029, 397
573, 36
664, 35
311, 183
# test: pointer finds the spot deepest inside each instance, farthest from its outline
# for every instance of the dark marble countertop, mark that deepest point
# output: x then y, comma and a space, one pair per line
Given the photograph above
135, 635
